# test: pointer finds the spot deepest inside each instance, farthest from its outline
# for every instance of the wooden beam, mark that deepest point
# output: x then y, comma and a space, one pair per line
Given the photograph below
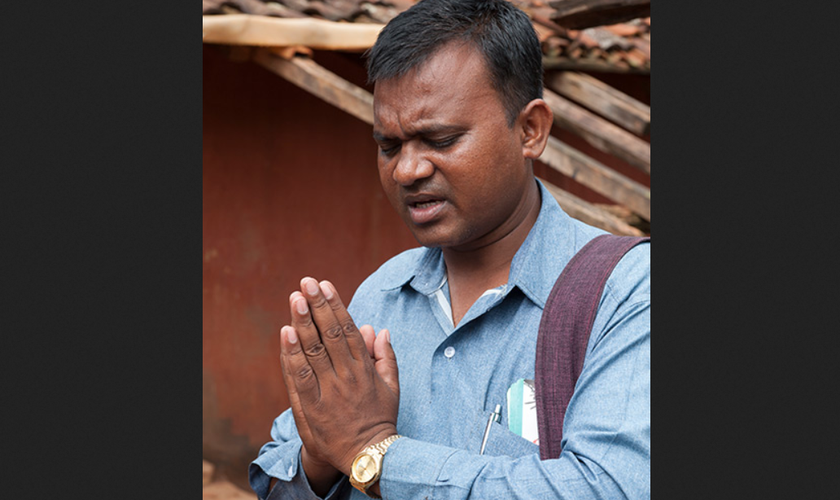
603, 99
580, 14
570, 64
264, 31
599, 132
625, 214
593, 174
590, 214
315, 79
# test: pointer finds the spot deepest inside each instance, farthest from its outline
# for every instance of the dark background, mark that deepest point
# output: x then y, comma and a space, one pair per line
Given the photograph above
101, 210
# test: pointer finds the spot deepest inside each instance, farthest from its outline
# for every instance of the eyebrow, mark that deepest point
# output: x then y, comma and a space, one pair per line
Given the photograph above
424, 132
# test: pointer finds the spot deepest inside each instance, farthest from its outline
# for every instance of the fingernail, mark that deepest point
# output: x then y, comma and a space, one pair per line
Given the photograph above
301, 306
326, 289
291, 335
311, 287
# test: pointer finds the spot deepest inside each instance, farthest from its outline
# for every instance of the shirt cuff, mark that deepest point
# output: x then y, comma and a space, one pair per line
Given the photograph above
283, 463
412, 468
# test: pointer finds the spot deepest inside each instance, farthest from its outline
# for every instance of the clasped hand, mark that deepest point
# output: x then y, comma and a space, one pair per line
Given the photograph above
342, 381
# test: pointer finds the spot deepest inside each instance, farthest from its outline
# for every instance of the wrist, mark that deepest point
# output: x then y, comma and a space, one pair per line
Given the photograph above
378, 437
320, 475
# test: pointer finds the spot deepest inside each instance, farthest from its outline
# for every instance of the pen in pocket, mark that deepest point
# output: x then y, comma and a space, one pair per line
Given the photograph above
494, 417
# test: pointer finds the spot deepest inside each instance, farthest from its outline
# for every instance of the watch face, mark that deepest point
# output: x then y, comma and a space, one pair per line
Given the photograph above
364, 469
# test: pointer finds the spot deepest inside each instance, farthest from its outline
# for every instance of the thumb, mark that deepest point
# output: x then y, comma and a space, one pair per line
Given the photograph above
386, 361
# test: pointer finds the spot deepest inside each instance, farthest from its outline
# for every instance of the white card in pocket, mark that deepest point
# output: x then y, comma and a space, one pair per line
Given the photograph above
522, 410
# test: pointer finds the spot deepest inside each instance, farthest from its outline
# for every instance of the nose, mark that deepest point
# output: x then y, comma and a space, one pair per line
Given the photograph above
412, 165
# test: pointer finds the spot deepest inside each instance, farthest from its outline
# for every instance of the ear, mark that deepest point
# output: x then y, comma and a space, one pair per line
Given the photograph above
535, 121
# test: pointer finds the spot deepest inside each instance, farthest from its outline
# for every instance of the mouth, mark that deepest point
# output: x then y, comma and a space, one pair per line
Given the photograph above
425, 204
425, 209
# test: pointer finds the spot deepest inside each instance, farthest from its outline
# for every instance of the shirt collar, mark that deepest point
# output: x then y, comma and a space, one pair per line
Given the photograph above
550, 244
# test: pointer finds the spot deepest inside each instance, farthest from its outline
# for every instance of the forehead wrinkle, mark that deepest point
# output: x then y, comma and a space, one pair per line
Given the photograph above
404, 119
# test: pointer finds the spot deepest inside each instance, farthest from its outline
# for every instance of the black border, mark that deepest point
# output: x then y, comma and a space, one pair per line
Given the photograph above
100, 195
744, 139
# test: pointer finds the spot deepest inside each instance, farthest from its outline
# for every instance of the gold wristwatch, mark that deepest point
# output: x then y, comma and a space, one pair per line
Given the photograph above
367, 466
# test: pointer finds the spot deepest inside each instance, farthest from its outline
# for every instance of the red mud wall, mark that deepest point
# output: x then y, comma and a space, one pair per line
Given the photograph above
290, 189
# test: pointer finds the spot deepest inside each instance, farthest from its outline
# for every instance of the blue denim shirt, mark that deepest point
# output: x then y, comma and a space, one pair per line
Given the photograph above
451, 379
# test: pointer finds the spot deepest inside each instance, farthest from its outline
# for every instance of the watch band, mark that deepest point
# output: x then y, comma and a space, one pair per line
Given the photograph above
383, 445
375, 450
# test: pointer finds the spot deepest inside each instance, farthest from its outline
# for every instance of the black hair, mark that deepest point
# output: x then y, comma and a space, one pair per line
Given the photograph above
502, 33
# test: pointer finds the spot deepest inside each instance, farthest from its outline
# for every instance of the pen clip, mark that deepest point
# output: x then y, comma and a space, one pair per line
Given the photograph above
494, 417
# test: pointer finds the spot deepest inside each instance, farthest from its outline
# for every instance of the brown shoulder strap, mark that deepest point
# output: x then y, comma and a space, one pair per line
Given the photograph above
564, 332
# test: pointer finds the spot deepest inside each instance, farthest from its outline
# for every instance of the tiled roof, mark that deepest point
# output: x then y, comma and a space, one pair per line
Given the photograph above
620, 47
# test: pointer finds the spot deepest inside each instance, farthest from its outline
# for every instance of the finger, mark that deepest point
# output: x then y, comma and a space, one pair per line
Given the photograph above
386, 361
310, 341
288, 381
331, 331
287, 338
356, 343
369, 336
301, 381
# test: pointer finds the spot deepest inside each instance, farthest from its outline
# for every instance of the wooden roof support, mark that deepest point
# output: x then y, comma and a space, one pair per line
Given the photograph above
603, 99
567, 64
599, 132
315, 79
593, 174
589, 213
263, 31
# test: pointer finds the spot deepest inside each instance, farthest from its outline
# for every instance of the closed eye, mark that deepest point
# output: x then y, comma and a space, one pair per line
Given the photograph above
443, 143
389, 149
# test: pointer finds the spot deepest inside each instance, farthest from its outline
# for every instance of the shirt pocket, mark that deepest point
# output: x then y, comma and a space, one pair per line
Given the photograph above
502, 441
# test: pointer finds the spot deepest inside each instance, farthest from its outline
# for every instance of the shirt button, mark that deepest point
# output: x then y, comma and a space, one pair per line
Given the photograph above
449, 352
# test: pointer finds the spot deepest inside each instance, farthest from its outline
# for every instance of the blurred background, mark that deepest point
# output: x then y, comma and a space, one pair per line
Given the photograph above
290, 185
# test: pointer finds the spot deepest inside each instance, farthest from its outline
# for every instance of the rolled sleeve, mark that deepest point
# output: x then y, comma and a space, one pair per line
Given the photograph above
411, 468
420, 470
280, 459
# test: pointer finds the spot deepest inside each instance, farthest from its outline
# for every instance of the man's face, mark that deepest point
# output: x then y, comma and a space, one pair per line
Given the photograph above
448, 162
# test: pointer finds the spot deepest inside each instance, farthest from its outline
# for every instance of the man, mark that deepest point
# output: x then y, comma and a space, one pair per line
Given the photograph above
459, 119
